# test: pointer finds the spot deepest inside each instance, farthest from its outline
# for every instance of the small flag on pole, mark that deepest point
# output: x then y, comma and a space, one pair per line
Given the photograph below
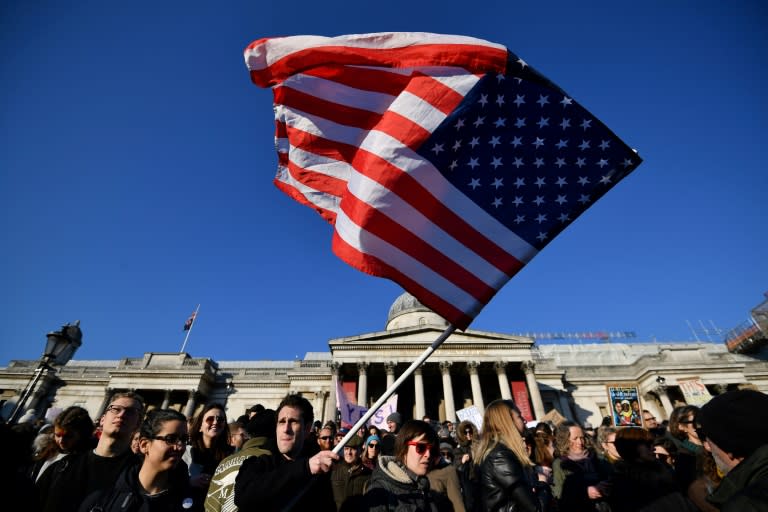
445, 163
190, 321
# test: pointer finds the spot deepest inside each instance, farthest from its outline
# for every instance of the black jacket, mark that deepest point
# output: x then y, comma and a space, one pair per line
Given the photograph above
645, 486
66, 483
271, 482
505, 484
127, 495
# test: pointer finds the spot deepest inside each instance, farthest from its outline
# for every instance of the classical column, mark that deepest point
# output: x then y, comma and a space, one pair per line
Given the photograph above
501, 373
362, 384
320, 403
418, 393
665, 401
474, 380
330, 405
528, 368
450, 407
189, 409
166, 399
389, 367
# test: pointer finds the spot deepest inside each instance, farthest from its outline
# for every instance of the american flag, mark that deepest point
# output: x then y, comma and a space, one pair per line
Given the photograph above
445, 163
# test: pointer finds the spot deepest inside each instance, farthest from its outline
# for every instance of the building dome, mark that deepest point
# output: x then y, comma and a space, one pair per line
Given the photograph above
407, 311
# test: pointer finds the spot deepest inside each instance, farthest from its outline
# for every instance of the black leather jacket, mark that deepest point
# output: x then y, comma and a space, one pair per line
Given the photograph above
505, 485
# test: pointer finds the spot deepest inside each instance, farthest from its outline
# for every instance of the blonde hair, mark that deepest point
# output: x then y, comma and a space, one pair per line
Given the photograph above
499, 427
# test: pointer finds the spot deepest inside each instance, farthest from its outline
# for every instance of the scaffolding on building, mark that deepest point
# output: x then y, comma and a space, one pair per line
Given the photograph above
752, 334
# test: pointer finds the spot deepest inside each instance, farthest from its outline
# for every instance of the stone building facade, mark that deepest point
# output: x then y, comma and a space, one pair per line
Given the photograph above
471, 367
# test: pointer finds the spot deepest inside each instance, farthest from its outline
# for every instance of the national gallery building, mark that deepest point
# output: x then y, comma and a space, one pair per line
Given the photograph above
471, 368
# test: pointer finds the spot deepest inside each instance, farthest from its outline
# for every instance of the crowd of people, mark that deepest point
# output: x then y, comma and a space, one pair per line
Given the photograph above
713, 458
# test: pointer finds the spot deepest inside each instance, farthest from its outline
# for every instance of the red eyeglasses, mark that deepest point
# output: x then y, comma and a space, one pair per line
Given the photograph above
421, 448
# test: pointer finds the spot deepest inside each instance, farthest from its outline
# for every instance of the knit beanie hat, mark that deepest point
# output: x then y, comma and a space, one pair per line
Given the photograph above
736, 421
354, 442
395, 416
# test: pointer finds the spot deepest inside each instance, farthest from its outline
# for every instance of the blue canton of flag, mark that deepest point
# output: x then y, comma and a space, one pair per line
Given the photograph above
527, 153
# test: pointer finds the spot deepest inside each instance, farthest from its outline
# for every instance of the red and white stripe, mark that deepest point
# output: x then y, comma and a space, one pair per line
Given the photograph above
351, 112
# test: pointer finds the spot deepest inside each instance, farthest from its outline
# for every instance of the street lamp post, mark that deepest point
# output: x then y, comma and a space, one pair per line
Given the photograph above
60, 346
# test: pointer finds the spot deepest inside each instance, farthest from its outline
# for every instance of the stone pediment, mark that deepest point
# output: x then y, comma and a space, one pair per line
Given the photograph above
426, 335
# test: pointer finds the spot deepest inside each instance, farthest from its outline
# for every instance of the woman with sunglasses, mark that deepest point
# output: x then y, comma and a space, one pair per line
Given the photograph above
371, 451
399, 483
158, 483
506, 474
209, 445
682, 432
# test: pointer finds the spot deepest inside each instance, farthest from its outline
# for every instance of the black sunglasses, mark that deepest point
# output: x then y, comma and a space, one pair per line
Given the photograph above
324, 438
173, 439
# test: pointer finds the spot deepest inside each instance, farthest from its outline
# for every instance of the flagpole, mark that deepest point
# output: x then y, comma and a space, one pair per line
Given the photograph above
407, 373
375, 407
194, 319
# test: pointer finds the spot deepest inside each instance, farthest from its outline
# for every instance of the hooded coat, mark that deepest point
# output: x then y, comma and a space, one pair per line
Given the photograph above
393, 488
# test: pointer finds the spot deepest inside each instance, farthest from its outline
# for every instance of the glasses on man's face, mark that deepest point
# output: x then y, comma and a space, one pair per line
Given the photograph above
375, 446
117, 410
650, 418
325, 438
173, 439
446, 454
218, 419
421, 448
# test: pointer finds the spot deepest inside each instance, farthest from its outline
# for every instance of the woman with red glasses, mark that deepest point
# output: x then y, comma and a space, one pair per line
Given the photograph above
399, 483
209, 444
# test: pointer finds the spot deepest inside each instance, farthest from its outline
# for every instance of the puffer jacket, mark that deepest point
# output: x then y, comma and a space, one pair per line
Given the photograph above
505, 485
395, 489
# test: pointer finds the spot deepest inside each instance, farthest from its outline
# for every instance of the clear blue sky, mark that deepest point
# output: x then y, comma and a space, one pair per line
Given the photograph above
136, 166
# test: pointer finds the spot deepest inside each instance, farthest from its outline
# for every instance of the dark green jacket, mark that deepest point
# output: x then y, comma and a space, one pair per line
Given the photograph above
745, 487
348, 481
